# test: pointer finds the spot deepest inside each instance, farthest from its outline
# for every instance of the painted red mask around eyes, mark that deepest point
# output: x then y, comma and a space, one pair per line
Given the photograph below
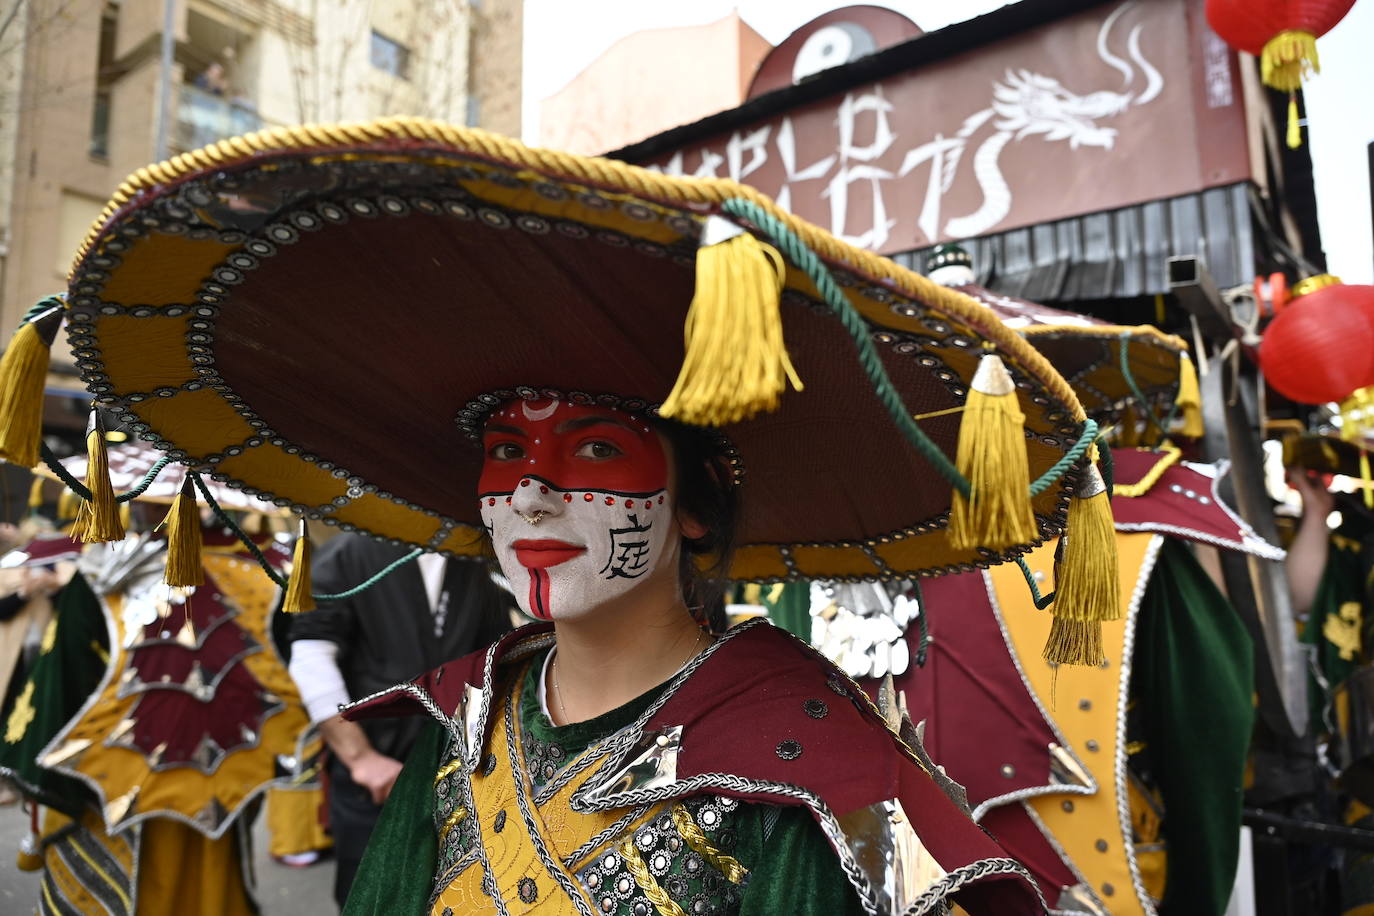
570, 447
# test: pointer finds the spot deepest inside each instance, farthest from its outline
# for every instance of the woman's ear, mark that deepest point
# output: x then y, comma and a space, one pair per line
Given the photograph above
687, 523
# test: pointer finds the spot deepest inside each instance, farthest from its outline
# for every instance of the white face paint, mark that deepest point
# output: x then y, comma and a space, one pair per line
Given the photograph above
577, 505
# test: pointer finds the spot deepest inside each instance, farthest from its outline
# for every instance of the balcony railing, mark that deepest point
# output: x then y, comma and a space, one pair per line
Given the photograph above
204, 117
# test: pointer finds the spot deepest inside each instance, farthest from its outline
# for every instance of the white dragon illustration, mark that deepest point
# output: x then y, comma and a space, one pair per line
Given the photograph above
1026, 104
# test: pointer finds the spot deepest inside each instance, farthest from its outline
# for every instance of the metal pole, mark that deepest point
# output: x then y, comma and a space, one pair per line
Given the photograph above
164, 89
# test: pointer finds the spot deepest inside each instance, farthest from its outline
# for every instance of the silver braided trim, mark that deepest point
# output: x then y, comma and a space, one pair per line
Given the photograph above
1123, 801
417, 693
443, 880
829, 825
974, 871
616, 745
587, 848
568, 885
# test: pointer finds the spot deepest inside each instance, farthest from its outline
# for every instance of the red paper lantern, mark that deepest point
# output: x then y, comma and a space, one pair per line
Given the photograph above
1283, 35
1321, 347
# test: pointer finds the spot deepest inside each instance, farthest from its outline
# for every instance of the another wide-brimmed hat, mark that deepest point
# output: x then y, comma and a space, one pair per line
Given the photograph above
323, 316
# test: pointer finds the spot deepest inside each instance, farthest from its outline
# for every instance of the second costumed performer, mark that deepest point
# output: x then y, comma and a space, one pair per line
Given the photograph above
303, 313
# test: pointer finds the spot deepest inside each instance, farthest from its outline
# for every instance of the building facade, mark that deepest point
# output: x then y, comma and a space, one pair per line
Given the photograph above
82, 81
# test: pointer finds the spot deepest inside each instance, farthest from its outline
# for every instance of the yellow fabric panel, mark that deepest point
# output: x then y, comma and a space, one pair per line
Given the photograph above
293, 821
465, 540
141, 354
293, 478
389, 519
62, 885
836, 561
198, 421
178, 866
510, 851
1091, 832
758, 561
162, 269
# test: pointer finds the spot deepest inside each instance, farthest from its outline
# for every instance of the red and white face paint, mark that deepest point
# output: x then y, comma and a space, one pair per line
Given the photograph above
576, 502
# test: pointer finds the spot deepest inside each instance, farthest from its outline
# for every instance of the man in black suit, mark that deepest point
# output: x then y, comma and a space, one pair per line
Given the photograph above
422, 615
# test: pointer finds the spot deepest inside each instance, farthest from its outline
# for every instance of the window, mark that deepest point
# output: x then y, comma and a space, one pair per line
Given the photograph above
391, 56
105, 73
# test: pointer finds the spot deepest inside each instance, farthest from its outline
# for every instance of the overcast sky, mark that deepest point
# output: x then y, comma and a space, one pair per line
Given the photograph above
563, 36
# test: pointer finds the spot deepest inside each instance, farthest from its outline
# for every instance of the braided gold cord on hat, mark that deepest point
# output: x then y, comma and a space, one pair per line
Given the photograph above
603, 173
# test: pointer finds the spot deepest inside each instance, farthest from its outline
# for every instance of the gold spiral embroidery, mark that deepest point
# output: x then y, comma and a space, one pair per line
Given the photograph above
728, 866
665, 905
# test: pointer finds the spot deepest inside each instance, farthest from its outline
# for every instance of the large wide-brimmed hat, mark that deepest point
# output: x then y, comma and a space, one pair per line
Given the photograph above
323, 317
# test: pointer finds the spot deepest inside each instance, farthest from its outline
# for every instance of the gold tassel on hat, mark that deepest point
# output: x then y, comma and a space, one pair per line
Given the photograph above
184, 539
298, 597
23, 373
1189, 398
736, 362
1087, 586
68, 505
36, 494
992, 457
98, 520
1128, 428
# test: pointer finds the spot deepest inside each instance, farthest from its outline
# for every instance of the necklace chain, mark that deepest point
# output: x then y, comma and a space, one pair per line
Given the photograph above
558, 691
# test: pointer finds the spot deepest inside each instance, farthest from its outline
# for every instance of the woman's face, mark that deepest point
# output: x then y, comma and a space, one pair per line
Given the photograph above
578, 505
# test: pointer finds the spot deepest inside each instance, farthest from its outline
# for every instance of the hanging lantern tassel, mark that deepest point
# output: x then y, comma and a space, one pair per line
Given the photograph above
1287, 59
298, 597
23, 373
1087, 586
736, 363
184, 539
1189, 398
98, 520
992, 457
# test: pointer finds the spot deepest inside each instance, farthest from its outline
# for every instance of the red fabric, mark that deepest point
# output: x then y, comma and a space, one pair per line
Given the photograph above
1168, 511
1248, 24
1014, 829
748, 698
979, 716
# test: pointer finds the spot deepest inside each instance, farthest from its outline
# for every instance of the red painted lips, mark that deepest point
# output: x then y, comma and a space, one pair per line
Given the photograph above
542, 554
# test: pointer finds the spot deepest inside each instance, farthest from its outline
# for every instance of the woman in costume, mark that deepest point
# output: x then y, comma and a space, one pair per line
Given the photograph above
621, 755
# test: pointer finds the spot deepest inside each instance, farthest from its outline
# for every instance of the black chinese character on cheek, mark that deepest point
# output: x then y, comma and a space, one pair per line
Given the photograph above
629, 550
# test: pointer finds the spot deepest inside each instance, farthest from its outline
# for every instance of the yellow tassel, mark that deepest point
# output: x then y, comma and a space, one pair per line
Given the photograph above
1189, 398
1289, 58
23, 373
1128, 430
736, 362
298, 597
992, 457
184, 539
98, 518
68, 506
1294, 135
1087, 587
36, 494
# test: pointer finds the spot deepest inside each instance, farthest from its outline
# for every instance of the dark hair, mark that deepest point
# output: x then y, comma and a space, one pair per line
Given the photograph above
705, 491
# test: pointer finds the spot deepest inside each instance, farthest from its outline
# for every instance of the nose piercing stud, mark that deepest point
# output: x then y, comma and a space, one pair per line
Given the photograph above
534, 517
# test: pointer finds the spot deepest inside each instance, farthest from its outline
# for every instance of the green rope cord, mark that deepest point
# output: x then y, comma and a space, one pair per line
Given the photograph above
798, 253
81, 490
277, 577
41, 306
1145, 405
810, 263
1060, 467
1041, 602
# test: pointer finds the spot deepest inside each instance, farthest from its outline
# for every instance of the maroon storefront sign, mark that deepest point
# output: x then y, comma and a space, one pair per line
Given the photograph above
1123, 103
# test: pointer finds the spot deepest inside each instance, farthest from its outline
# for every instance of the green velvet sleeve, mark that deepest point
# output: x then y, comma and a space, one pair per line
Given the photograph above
795, 871
397, 870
